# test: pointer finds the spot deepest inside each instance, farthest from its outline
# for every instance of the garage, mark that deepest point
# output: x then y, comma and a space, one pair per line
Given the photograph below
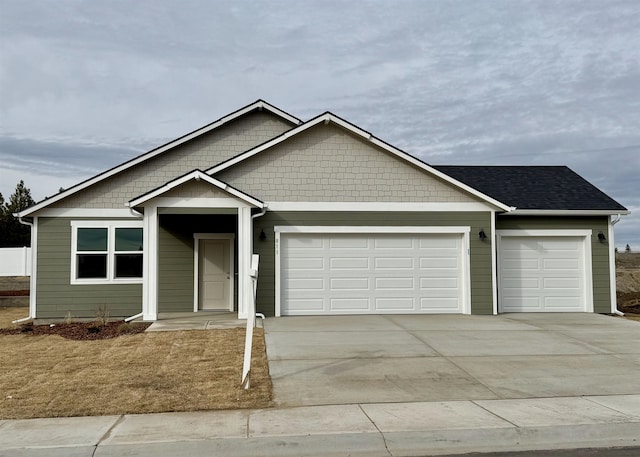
379, 271
544, 272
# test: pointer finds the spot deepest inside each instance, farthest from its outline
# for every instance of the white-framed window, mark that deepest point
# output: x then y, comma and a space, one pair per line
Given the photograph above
106, 252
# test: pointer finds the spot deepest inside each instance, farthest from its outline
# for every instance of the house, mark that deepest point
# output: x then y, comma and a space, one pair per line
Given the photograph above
343, 222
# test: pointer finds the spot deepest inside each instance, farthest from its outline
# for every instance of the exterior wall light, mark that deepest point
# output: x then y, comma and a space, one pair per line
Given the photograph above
601, 237
262, 236
482, 235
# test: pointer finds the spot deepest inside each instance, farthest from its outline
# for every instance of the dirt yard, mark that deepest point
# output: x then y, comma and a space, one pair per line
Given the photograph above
52, 376
628, 284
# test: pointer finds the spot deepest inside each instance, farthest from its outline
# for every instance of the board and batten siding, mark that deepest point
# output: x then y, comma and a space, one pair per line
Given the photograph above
480, 261
599, 251
57, 298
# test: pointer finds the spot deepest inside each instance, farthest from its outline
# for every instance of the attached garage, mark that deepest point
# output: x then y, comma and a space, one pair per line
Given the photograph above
371, 270
544, 271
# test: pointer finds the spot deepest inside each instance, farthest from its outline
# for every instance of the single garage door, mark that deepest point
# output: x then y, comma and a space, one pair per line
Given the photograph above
357, 273
542, 274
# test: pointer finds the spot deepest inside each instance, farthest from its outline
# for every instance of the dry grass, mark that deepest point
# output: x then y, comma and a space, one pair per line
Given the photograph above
633, 317
11, 314
49, 376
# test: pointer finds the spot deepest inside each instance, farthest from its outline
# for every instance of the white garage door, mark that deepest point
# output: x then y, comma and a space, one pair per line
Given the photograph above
542, 274
371, 273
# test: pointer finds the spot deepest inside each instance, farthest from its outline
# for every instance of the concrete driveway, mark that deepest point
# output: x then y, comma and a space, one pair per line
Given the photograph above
377, 359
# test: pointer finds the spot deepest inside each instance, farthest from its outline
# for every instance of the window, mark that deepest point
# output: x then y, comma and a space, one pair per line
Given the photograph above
106, 252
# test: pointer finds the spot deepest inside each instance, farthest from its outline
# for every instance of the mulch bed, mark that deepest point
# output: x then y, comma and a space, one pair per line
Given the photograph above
79, 330
14, 293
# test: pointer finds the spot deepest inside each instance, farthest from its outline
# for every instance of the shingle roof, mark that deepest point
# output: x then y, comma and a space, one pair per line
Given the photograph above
534, 187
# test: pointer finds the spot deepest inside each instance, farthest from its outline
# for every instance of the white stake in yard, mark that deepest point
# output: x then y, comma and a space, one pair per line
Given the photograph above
251, 322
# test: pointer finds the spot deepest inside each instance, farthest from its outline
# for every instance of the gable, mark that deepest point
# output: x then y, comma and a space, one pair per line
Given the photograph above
202, 152
328, 163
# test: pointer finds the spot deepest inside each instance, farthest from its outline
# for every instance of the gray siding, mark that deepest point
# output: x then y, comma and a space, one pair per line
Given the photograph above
55, 295
326, 163
600, 251
480, 262
202, 152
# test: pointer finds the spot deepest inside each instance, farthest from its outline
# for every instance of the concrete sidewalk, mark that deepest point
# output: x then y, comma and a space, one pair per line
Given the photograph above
380, 429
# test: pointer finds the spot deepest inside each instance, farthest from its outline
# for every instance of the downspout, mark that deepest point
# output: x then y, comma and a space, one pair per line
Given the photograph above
30, 225
612, 253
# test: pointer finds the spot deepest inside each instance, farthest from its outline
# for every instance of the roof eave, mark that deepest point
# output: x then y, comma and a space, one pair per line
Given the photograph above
568, 212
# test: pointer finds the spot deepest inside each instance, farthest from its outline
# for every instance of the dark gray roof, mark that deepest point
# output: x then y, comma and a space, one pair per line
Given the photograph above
534, 187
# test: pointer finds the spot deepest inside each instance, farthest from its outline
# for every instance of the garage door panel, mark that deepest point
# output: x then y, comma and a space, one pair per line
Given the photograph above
349, 283
349, 242
306, 263
349, 304
371, 273
394, 283
438, 263
395, 304
547, 278
445, 282
388, 242
394, 263
349, 263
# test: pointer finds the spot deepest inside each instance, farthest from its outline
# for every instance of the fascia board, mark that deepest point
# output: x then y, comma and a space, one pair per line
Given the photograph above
567, 212
259, 104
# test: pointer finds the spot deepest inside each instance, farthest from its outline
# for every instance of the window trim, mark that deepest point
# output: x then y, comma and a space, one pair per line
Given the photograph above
111, 252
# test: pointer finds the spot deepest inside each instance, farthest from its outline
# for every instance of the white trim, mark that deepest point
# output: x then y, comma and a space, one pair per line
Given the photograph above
368, 229
585, 234
259, 104
543, 232
199, 202
89, 212
197, 237
110, 226
380, 206
465, 252
565, 212
150, 265
494, 264
33, 282
612, 266
197, 175
329, 117
245, 252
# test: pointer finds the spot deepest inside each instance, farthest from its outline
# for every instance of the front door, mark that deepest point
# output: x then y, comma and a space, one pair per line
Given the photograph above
215, 274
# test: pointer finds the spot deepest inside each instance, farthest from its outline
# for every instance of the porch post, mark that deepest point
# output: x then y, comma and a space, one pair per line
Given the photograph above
245, 233
150, 265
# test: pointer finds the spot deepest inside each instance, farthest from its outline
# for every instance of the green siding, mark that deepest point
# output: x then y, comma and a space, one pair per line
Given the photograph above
55, 295
599, 251
480, 262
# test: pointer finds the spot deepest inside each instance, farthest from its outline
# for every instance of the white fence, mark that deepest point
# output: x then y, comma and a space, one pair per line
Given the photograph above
15, 261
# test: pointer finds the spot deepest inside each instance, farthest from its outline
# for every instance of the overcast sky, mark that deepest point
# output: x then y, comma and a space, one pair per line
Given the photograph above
85, 85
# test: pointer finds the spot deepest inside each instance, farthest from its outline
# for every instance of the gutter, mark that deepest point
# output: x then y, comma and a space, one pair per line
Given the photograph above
30, 225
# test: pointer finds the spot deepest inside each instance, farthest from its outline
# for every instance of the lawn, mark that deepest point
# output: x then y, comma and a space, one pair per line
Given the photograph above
50, 376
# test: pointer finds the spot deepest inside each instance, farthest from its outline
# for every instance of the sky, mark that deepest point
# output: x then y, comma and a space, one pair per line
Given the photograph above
86, 85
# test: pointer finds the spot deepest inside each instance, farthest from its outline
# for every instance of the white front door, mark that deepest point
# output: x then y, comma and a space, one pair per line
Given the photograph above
215, 274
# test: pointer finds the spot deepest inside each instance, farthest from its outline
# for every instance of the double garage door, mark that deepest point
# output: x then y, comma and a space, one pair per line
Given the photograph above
543, 274
372, 273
